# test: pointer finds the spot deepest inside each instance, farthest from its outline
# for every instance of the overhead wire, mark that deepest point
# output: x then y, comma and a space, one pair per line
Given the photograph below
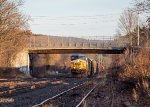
88, 19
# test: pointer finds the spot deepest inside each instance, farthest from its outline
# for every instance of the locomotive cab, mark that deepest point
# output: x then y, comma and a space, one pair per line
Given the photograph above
78, 64
81, 65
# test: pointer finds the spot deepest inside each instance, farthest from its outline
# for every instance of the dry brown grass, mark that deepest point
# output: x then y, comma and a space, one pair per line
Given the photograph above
139, 66
14, 84
6, 100
33, 87
132, 72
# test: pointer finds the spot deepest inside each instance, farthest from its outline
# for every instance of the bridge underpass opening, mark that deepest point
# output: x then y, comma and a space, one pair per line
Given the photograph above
48, 62
45, 45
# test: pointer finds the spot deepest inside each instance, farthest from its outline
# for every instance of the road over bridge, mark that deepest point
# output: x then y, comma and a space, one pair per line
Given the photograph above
70, 45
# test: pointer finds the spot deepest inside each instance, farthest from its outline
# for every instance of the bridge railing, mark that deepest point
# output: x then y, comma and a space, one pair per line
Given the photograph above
72, 42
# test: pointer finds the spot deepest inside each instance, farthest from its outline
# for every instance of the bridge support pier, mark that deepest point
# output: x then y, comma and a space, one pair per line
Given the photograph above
30, 63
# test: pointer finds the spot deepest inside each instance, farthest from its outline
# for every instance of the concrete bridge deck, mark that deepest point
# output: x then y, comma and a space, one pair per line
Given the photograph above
120, 50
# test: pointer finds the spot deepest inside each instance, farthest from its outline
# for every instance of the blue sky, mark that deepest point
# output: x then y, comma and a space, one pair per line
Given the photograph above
75, 17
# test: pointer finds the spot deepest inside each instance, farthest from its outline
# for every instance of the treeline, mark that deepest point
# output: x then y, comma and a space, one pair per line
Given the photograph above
131, 72
130, 24
13, 31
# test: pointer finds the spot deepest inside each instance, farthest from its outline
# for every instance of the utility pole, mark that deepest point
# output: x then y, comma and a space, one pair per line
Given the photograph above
100, 58
48, 42
138, 33
138, 25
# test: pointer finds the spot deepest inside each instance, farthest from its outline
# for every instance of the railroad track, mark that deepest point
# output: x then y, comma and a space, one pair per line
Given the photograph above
10, 91
74, 96
23, 80
14, 81
30, 98
107, 96
6, 91
113, 95
82, 101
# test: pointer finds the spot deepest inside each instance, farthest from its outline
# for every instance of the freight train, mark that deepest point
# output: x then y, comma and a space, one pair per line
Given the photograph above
82, 66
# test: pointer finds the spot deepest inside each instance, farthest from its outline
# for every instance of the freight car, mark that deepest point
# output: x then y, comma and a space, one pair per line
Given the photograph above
82, 66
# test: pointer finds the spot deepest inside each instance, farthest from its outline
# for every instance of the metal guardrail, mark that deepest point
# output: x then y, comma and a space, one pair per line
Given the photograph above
73, 42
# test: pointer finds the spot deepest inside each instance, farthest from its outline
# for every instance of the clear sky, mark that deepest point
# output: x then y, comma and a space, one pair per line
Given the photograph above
75, 17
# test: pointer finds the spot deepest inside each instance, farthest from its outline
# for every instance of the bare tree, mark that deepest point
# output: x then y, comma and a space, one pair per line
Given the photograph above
13, 27
142, 5
127, 23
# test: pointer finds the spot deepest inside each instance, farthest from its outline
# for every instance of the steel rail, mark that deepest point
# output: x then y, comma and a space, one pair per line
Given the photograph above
58, 95
79, 104
112, 91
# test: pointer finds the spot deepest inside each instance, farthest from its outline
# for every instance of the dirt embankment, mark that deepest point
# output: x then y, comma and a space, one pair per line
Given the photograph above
12, 73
